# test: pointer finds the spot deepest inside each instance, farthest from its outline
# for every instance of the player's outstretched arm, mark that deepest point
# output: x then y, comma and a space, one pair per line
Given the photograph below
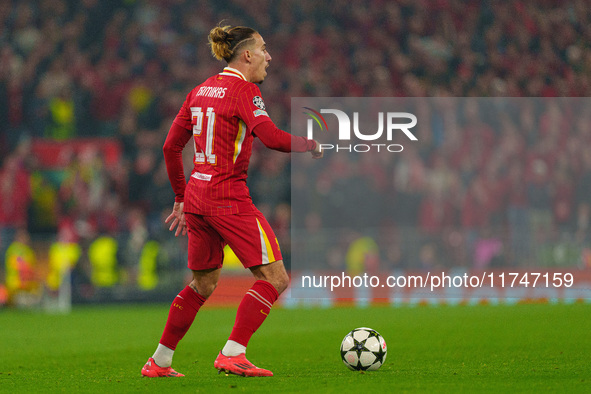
277, 139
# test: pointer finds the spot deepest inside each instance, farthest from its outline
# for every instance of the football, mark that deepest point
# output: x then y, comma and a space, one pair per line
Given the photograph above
363, 349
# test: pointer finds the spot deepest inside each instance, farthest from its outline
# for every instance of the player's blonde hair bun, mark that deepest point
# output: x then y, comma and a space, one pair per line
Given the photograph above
225, 41
220, 45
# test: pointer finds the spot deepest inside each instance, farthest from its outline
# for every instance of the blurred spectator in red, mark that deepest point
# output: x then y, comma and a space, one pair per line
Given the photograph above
15, 196
436, 213
540, 201
517, 211
563, 193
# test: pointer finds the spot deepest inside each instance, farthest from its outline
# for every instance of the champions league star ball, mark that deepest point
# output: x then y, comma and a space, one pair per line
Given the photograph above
363, 349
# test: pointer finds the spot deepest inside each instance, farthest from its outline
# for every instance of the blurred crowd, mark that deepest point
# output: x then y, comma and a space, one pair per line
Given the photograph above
490, 182
120, 69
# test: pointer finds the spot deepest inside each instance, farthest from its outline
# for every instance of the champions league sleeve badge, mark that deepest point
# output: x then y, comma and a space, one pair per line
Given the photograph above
258, 101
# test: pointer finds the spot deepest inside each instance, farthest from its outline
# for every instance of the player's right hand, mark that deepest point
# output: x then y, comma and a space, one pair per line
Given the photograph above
178, 219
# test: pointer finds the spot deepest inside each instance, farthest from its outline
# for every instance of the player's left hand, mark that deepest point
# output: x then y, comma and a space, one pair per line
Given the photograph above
317, 153
178, 219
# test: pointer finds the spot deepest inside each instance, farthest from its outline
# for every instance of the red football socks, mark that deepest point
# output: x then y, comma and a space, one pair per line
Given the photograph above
180, 317
252, 311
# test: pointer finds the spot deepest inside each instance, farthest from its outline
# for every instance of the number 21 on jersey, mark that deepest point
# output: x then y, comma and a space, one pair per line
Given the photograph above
197, 115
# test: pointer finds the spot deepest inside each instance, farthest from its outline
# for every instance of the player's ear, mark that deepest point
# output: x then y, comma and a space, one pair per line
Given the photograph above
247, 55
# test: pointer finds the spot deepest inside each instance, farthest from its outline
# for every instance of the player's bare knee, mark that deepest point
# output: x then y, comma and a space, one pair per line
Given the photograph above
205, 281
202, 288
280, 282
273, 273
282, 286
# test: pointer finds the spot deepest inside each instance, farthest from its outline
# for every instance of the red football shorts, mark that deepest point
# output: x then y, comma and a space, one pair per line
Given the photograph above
249, 235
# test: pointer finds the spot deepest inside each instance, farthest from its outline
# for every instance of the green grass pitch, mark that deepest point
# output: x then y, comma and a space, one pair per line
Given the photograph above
485, 348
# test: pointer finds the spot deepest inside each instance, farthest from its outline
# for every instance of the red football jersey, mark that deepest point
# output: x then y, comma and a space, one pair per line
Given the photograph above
221, 112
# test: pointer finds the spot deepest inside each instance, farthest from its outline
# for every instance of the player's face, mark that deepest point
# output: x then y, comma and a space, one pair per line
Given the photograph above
260, 59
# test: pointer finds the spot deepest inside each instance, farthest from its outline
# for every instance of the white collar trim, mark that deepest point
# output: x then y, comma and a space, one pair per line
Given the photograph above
230, 71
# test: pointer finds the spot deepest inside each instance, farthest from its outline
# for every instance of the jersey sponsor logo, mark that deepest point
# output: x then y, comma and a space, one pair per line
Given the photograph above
258, 101
260, 112
200, 176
